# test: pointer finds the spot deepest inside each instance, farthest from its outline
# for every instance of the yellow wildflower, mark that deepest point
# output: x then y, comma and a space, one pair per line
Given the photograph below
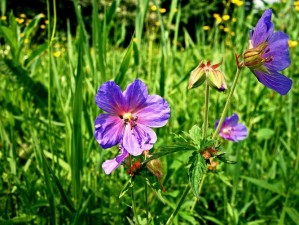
43, 26
57, 54
3, 17
154, 8
234, 20
292, 44
225, 17
226, 29
162, 10
135, 39
206, 27
22, 15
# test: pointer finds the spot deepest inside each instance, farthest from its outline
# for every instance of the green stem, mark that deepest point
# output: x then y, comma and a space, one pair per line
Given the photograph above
146, 200
206, 119
185, 192
134, 205
227, 103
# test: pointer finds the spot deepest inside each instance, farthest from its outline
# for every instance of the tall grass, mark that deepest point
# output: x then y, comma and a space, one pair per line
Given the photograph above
51, 164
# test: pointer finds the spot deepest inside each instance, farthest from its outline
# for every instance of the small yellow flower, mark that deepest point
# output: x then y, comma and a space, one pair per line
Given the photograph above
22, 15
206, 27
297, 7
225, 17
20, 20
43, 26
22, 35
296, 3
226, 29
175, 10
215, 15
239, 3
234, 20
134, 39
292, 44
157, 23
43, 15
154, 8
3, 17
232, 33
162, 10
221, 27
26, 41
283, 1
46, 21
57, 54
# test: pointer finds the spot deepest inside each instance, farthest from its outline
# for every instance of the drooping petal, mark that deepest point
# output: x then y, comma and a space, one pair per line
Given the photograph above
135, 95
110, 98
279, 51
108, 130
155, 113
138, 139
112, 164
275, 81
264, 28
229, 121
235, 133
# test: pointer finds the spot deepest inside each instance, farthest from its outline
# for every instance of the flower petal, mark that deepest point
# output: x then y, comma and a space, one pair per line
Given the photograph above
275, 81
263, 29
279, 51
108, 130
229, 121
110, 98
236, 133
135, 95
112, 164
155, 113
138, 139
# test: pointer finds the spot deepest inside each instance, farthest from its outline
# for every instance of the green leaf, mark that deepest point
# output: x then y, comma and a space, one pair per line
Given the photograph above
195, 134
156, 188
11, 39
276, 188
35, 53
129, 184
294, 214
168, 150
197, 169
264, 134
124, 65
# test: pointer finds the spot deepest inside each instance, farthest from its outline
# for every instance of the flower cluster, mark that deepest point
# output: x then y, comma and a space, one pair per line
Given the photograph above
128, 118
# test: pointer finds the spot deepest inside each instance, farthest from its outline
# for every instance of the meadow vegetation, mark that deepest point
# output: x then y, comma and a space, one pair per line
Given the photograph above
50, 162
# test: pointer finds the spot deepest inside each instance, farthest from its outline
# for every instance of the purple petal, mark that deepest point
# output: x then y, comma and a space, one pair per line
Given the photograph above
155, 113
112, 164
110, 98
138, 139
275, 81
136, 95
230, 121
263, 29
279, 50
108, 130
235, 133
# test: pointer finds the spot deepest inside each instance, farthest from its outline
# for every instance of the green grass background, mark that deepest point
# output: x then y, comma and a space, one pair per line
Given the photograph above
50, 163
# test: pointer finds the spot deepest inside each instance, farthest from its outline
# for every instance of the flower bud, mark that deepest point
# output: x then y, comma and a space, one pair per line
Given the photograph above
210, 72
197, 76
155, 167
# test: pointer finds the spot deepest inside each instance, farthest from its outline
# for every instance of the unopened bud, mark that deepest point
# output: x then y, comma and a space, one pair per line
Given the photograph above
155, 167
206, 154
212, 165
197, 76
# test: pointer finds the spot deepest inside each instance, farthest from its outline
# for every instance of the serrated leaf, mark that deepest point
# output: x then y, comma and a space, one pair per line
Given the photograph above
195, 134
197, 169
156, 188
129, 184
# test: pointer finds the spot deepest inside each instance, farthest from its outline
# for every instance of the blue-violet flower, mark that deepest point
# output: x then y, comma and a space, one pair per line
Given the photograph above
130, 114
231, 129
267, 54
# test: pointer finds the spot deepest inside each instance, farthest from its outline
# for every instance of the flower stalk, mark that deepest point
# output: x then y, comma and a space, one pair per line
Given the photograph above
227, 103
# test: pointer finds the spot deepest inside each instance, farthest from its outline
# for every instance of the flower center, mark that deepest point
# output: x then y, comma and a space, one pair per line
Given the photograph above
129, 118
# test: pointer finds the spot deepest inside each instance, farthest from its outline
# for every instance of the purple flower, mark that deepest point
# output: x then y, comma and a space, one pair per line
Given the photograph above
267, 54
110, 165
130, 114
231, 129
